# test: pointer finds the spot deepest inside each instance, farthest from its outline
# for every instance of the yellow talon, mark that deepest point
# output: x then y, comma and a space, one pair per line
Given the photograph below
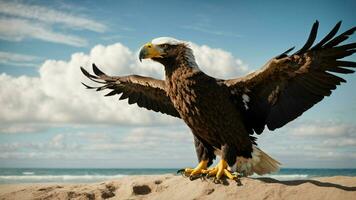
220, 170
206, 171
228, 174
198, 170
213, 171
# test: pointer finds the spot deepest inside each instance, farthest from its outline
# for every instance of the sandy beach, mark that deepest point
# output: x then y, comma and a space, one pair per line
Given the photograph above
176, 187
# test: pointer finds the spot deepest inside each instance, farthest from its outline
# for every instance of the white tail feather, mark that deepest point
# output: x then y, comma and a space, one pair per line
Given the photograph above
260, 163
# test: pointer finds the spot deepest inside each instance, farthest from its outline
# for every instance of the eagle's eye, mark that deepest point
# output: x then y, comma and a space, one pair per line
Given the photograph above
163, 46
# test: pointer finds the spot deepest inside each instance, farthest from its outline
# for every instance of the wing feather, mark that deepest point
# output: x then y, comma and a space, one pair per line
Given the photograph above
329, 36
310, 40
287, 86
146, 92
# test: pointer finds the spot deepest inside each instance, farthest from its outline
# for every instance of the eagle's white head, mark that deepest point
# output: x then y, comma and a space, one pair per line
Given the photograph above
167, 50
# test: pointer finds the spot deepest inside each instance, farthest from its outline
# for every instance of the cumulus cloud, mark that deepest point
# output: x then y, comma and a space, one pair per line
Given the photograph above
217, 62
19, 21
57, 96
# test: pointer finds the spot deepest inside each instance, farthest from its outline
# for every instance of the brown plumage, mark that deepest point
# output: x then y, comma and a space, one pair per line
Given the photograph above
224, 114
289, 85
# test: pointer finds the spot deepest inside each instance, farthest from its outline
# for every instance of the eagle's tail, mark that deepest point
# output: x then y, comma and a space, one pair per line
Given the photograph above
260, 163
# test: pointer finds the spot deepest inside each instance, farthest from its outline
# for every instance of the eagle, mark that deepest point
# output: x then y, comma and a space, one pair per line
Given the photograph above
224, 115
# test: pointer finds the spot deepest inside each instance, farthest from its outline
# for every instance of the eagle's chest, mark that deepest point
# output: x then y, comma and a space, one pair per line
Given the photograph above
201, 103
189, 92
186, 97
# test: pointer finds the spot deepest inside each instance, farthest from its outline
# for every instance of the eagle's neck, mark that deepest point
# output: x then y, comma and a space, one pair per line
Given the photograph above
184, 60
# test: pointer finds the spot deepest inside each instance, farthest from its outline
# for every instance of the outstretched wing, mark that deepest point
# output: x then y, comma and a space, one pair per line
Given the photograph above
146, 92
287, 86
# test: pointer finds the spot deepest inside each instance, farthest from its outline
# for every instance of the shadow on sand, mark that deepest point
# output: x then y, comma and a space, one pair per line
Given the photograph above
314, 182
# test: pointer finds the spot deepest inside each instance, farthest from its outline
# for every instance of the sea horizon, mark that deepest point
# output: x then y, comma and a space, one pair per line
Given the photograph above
91, 175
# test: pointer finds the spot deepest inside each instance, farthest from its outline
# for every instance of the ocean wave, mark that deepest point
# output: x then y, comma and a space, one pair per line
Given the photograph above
58, 178
28, 173
284, 176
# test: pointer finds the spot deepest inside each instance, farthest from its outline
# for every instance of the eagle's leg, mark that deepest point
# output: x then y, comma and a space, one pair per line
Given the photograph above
205, 154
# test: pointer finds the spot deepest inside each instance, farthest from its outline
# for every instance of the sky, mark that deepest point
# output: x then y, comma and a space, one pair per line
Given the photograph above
48, 119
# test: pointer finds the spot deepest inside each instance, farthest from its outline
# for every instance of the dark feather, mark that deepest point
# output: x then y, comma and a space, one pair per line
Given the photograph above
88, 87
335, 78
124, 95
87, 74
97, 71
284, 54
341, 70
328, 36
111, 93
346, 47
91, 77
345, 63
342, 37
342, 54
133, 98
147, 91
310, 40
302, 79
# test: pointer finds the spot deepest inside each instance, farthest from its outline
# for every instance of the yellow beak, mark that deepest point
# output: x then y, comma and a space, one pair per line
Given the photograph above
150, 51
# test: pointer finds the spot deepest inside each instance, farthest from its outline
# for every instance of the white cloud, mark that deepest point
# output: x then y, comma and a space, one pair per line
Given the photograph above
339, 142
146, 139
49, 16
21, 128
57, 96
323, 129
57, 141
312, 143
135, 144
60, 145
13, 57
217, 62
19, 29
95, 136
10, 58
20, 21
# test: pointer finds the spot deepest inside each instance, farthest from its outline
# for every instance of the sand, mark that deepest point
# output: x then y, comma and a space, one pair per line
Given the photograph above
176, 187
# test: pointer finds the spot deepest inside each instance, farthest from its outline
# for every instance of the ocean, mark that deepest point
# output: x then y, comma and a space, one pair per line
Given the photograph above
43, 175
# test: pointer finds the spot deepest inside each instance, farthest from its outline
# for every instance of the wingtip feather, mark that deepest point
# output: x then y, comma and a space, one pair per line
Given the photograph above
87, 86
97, 71
85, 72
329, 36
311, 38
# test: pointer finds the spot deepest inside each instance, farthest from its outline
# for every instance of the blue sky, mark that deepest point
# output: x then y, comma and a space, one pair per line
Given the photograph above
48, 120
